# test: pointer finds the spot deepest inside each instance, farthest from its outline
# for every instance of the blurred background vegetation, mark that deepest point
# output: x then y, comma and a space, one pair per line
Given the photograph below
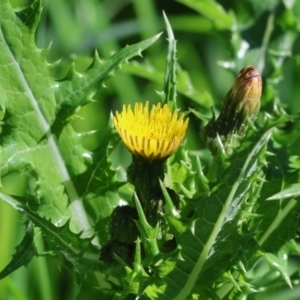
214, 43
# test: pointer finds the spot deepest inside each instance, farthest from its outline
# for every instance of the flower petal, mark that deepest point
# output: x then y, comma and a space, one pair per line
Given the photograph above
153, 135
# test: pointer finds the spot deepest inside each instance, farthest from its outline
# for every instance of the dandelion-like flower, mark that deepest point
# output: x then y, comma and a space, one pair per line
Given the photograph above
153, 135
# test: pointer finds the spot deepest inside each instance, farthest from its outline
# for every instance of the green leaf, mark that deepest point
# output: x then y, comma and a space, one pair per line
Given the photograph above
148, 233
291, 192
183, 179
61, 239
98, 185
37, 137
170, 74
24, 253
71, 191
212, 238
278, 220
279, 265
81, 87
213, 11
215, 234
280, 262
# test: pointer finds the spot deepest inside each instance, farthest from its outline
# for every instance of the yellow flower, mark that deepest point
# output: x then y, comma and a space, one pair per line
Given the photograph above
153, 135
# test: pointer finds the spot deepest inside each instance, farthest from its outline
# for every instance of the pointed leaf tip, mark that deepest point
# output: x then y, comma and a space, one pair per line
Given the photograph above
30, 15
292, 191
142, 216
96, 56
171, 209
25, 251
279, 265
168, 26
140, 53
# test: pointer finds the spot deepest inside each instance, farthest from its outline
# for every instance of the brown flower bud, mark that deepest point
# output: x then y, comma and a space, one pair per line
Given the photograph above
242, 102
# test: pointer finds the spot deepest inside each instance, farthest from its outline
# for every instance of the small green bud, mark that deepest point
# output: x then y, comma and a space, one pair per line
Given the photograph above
242, 102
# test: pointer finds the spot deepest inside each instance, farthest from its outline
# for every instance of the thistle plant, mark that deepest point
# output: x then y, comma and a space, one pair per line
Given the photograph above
153, 201
151, 136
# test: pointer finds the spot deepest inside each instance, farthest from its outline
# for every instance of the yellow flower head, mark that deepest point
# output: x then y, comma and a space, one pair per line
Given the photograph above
154, 135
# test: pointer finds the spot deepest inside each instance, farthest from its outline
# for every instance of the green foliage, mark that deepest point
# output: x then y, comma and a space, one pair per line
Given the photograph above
24, 253
233, 237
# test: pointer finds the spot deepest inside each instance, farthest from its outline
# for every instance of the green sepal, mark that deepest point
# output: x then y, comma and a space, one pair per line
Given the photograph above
144, 175
148, 234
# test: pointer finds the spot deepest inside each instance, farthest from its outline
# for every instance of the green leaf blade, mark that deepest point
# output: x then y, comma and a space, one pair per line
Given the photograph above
213, 232
76, 91
290, 192
212, 10
34, 106
25, 251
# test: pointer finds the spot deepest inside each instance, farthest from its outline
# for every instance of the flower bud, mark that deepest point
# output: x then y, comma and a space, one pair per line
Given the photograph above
242, 102
122, 224
111, 248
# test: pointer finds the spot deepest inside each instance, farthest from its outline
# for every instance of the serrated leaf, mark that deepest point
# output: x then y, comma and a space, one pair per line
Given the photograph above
38, 139
212, 239
169, 89
37, 136
183, 179
62, 240
279, 265
25, 251
98, 185
278, 220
